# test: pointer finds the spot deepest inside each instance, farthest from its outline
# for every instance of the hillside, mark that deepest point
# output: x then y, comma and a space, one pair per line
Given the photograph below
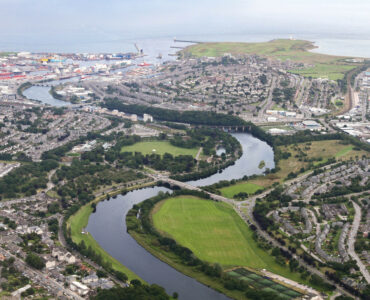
320, 65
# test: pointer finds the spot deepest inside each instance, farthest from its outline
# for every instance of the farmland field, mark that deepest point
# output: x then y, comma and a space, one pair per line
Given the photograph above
321, 65
215, 233
159, 147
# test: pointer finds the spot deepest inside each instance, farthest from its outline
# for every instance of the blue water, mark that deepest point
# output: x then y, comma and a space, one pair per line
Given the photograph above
152, 46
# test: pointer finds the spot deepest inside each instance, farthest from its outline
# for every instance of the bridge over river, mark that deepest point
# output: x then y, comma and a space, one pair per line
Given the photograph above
185, 185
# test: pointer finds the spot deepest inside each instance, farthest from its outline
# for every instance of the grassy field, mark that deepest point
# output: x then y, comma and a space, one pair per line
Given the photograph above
161, 147
330, 71
245, 187
3, 54
215, 233
79, 221
344, 151
321, 65
323, 149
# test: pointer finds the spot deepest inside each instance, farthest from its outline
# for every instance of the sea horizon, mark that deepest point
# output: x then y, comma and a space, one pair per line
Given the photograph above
341, 45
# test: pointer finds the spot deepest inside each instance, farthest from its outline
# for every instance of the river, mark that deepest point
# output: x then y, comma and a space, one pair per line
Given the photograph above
254, 150
42, 93
108, 227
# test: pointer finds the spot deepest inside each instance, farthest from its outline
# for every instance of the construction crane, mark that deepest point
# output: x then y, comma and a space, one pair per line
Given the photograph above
140, 51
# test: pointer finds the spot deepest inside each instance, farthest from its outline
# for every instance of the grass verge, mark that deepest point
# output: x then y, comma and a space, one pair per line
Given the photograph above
243, 187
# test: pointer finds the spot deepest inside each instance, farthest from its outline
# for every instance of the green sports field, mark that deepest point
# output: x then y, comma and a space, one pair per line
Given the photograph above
160, 147
215, 233
245, 187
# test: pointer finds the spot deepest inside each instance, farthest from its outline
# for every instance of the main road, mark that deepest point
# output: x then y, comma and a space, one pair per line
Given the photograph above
268, 101
352, 239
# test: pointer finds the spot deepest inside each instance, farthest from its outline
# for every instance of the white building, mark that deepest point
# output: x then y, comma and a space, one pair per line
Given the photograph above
148, 118
276, 131
50, 264
311, 125
90, 278
79, 288
134, 118
21, 290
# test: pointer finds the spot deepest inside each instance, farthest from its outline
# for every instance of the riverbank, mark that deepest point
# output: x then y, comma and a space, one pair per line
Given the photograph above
78, 222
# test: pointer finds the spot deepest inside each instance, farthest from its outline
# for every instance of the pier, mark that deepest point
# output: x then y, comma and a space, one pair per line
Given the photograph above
187, 41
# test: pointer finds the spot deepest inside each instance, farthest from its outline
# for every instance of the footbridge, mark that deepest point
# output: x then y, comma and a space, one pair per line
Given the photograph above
44, 84
232, 128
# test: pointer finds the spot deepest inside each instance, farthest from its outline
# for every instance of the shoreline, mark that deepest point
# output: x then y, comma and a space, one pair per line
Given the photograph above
324, 44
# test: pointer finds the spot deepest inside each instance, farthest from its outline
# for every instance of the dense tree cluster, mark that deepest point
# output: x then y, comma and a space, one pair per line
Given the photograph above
191, 117
26, 179
283, 96
207, 138
275, 198
83, 177
31, 242
35, 261
134, 291
12, 279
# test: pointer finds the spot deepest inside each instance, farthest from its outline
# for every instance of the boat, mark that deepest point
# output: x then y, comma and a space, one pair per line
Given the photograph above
144, 64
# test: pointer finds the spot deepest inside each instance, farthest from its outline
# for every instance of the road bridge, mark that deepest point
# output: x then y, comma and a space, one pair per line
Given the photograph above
190, 187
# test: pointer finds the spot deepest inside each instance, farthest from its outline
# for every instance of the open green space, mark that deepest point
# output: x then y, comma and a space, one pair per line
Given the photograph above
215, 233
317, 65
344, 151
337, 103
330, 71
2, 54
322, 150
277, 107
159, 147
242, 187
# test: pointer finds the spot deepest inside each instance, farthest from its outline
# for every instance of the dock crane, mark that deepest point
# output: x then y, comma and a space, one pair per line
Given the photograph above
140, 51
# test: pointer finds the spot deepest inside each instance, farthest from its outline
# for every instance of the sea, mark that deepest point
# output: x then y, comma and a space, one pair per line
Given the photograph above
156, 46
